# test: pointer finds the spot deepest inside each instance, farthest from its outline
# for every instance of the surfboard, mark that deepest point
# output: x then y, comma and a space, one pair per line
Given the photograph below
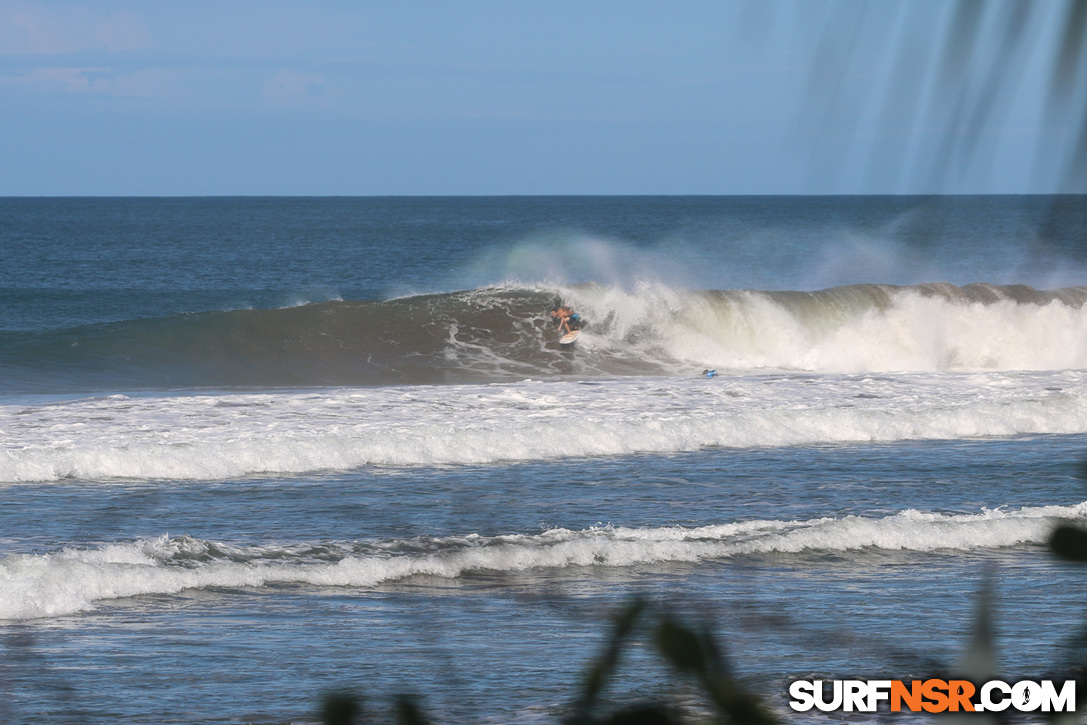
569, 337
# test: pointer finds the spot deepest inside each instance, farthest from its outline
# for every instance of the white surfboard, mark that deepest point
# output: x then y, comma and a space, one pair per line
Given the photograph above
569, 337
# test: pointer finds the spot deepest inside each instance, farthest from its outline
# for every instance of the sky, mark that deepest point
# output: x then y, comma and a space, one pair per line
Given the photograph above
125, 98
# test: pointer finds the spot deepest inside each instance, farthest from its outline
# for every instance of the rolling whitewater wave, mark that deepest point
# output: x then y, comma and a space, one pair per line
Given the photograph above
72, 580
294, 432
289, 433
504, 333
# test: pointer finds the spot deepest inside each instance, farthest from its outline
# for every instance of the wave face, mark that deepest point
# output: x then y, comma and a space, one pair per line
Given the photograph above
500, 333
73, 579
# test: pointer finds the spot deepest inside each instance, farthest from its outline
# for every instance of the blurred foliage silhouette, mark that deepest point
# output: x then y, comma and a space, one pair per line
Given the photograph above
950, 77
691, 653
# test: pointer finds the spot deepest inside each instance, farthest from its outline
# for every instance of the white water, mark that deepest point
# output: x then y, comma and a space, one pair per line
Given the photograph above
71, 580
866, 328
219, 436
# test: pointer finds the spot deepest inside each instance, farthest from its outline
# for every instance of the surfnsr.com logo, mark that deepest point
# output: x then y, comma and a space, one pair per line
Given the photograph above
932, 695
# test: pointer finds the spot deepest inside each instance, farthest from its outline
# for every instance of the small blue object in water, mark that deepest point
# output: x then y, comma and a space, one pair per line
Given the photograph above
709, 373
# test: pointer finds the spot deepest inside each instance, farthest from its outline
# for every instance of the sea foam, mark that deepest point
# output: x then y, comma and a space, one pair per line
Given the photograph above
72, 580
858, 328
220, 436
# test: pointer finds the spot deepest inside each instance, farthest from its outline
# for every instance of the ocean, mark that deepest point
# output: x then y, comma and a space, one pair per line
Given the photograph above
257, 450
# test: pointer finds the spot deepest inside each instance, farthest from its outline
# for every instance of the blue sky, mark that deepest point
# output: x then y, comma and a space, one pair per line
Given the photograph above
373, 98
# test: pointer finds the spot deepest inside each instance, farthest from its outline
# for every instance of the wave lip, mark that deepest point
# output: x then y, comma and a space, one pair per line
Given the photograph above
72, 580
504, 333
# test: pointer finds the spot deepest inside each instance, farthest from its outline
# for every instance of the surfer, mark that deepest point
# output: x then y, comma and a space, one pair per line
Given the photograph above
568, 319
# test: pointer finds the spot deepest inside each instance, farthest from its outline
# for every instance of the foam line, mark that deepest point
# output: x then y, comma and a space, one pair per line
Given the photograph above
72, 580
222, 436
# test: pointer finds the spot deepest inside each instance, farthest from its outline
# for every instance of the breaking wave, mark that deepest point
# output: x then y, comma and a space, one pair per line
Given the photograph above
73, 579
294, 432
504, 333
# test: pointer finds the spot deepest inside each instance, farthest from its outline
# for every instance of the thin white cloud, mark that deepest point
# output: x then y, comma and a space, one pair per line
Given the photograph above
28, 28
